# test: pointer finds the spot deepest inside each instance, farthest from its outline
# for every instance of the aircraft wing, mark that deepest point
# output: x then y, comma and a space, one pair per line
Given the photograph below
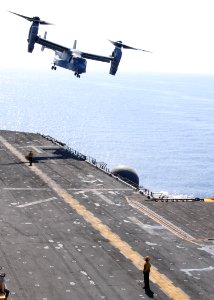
96, 57
51, 45
60, 48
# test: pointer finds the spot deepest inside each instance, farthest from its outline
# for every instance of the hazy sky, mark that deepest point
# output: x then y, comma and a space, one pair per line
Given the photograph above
180, 33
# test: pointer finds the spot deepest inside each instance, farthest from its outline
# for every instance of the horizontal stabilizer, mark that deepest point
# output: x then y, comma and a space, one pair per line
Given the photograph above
45, 35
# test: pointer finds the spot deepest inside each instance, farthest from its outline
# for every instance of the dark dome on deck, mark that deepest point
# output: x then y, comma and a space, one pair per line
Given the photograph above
127, 174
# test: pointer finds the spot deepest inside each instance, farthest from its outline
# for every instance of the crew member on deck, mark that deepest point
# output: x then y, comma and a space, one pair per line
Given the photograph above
30, 157
146, 271
3, 289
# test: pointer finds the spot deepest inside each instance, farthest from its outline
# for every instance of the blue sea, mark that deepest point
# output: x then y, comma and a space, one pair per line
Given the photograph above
162, 125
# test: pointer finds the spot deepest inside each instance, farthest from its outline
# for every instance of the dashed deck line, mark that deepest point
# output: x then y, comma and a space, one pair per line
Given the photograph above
37, 202
137, 259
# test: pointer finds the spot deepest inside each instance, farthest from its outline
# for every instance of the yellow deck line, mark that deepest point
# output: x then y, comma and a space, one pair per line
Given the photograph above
137, 259
211, 200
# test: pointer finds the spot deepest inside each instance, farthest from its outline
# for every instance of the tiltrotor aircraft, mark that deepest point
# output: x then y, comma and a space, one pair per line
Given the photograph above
71, 59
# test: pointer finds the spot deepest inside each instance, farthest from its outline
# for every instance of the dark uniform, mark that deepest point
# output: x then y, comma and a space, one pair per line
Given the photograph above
30, 157
146, 271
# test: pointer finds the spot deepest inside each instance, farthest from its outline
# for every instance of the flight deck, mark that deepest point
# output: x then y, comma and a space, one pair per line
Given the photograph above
70, 230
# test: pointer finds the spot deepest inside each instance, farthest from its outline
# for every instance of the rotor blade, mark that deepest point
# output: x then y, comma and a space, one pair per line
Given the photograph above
45, 23
27, 18
128, 47
31, 19
121, 45
116, 44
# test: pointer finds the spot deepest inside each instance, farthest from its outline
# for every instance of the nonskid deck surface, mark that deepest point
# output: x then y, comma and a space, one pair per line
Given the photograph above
71, 231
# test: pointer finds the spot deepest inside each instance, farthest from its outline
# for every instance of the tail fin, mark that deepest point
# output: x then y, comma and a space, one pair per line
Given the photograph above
75, 44
43, 47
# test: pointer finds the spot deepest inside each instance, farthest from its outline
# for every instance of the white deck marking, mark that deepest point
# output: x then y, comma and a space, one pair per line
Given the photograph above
188, 271
26, 189
103, 197
36, 149
98, 189
208, 248
53, 161
37, 202
82, 193
148, 228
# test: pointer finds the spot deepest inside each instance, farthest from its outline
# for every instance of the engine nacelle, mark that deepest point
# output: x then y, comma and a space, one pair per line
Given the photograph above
32, 36
117, 54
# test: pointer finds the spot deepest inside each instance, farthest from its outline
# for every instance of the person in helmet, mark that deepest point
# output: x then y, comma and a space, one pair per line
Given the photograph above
146, 271
3, 288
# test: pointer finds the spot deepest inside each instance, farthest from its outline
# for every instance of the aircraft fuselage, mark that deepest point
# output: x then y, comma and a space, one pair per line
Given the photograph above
74, 63
77, 64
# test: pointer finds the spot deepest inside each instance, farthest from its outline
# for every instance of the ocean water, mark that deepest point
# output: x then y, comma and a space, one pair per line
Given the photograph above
159, 124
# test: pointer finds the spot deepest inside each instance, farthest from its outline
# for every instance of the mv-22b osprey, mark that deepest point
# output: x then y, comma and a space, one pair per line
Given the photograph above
71, 59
